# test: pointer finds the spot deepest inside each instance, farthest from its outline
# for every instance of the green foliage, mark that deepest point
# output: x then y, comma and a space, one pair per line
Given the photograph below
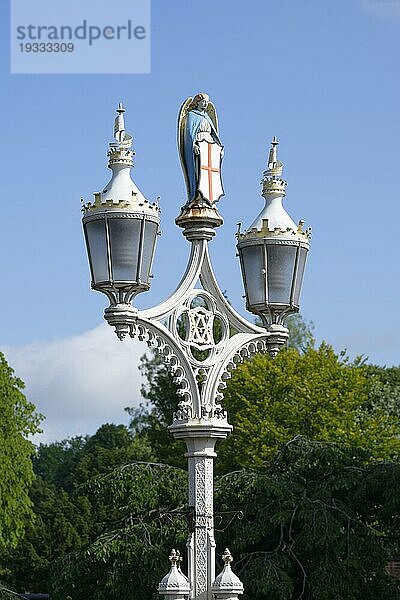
320, 522
143, 523
385, 389
301, 336
7, 594
320, 519
110, 447
316, 394
62, 524
67, 516
18, 421
55, 462
150, 420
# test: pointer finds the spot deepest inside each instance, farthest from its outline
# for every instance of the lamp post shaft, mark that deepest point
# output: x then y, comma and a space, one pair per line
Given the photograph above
201, 543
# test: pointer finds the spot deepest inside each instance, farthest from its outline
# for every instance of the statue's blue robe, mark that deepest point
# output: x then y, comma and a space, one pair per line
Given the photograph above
193, 121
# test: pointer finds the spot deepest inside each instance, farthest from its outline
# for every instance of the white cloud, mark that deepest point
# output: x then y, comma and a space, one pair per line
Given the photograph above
382, 8
79, 383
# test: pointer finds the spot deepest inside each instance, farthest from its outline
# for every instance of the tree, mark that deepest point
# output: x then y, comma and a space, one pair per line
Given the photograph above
320, 519
385, 388
55, 462
67, 517
318, 395
142, 524
301, 336
18, 421
151, 419
110, 447
303, 391
320, 522
62, 524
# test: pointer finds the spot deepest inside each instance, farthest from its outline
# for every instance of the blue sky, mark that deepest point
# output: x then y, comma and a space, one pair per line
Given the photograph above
322, 76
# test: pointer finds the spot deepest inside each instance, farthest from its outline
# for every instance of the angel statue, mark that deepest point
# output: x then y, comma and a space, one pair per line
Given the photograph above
200, 150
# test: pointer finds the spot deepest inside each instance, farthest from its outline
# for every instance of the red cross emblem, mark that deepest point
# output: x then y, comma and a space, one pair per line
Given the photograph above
210, 182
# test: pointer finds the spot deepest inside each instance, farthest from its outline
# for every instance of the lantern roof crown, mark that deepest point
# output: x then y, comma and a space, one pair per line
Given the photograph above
272, 182
121, 193
273, 220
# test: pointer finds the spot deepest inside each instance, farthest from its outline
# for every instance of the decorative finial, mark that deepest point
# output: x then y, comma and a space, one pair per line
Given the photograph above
227, 557
227, 585
175, 585
175, 558
272, 182
120, 133
275, 167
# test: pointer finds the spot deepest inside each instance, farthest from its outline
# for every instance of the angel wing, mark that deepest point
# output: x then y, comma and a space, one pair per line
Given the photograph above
180, 133
212, 113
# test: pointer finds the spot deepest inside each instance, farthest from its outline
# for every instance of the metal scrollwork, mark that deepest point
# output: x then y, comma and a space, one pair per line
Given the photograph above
200, 337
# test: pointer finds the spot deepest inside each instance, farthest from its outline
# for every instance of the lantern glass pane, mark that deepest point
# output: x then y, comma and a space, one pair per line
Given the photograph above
148, 249
281, 260
254, 275
124, 244
97, 250
299, 275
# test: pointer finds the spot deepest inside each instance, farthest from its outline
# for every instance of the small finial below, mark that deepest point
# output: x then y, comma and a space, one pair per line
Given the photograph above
175, 558
227, 557
120, 133
273, 162
227, 585
272, 152
275, 166
175, 585
119, 124
274, 141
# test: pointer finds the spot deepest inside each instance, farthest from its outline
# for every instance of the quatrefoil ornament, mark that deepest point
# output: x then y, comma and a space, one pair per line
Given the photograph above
201, 326
201, 323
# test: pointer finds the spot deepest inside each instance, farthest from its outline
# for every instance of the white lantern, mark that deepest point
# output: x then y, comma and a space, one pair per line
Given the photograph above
120, 227
273, 252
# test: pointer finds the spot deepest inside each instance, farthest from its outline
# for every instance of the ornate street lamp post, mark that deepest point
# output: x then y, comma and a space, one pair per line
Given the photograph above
196, 331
